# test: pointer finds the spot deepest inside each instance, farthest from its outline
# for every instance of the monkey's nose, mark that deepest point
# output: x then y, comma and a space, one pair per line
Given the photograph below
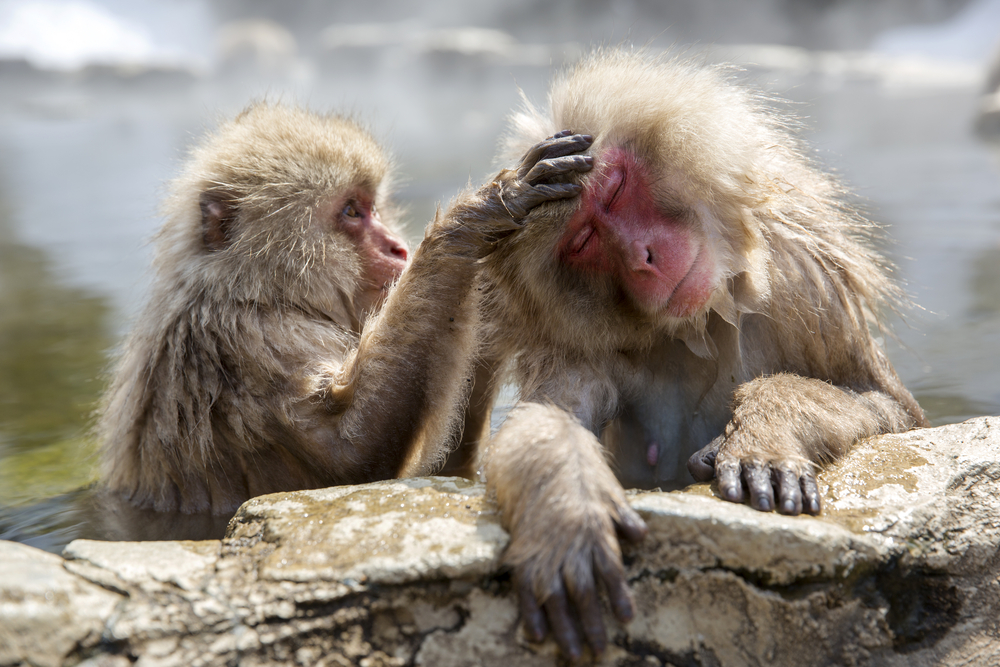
399, 250
641, 257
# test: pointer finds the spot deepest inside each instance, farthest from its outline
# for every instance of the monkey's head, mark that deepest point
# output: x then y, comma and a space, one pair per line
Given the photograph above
285, 207
669, 225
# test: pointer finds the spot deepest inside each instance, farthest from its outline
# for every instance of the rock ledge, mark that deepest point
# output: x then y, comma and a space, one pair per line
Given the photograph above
901, 569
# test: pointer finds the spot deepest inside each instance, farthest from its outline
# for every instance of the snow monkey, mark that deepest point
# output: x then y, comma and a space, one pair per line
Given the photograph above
288, 342
703, 308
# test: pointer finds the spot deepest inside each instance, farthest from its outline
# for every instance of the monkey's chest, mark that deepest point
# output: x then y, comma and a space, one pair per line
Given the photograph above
662, 424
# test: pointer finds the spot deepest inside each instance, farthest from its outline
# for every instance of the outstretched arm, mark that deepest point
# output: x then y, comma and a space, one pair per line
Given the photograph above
397, 401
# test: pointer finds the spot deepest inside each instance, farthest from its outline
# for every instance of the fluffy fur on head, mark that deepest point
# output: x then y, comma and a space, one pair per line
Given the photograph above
278, 253
203, 397
785, 237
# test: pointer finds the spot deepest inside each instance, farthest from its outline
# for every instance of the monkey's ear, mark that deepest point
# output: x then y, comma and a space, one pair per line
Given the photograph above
218, 213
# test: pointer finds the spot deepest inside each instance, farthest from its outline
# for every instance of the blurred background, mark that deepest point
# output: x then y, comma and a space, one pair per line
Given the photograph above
100, 99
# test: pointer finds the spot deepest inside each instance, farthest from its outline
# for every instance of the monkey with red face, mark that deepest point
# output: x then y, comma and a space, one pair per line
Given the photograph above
705, 305
290, 340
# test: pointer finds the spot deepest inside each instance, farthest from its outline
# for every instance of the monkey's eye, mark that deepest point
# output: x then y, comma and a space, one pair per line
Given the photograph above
351, 211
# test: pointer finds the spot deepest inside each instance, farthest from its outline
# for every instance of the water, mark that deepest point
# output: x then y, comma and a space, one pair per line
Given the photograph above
85, 154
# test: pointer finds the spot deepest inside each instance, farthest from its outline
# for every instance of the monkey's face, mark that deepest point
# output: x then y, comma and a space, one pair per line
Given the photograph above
653, 252
668, 226
631, 258
381, 253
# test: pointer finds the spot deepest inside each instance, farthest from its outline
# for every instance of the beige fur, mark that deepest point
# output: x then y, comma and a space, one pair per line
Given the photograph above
779, 368
252, 369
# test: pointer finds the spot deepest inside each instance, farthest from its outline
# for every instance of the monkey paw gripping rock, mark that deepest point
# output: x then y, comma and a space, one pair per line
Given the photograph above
900, 569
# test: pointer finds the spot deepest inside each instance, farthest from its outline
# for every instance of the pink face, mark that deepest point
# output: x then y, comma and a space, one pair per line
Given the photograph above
382, 253
661, 262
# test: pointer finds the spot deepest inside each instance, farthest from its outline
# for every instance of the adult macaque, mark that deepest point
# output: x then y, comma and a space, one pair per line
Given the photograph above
706, 300
265, 360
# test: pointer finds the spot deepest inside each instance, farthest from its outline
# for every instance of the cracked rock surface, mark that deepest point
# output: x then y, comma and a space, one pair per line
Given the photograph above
901, 569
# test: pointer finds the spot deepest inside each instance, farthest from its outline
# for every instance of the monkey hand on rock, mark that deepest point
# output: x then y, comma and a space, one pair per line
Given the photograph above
782, 425
785, 484
558, 564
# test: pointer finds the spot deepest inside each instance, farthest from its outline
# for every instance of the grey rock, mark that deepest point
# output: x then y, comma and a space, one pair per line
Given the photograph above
45, 611
901, 569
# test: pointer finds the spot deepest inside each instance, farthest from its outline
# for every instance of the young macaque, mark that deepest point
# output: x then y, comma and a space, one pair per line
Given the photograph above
288, 343
707, 300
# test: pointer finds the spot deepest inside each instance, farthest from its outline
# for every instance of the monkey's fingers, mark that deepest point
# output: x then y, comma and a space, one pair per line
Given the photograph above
557, 146
629, 525
563, 630
810, 494
613, 575
701, 465
730, 482
534, 619
557, 167
522, 198
789, 491
588, 607
758, 480
539, 194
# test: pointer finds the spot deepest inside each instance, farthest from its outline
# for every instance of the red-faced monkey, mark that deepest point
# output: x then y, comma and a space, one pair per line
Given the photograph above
707, 300
266, 359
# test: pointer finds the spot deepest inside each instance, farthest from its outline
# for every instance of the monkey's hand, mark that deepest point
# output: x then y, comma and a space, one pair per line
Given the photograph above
544, 175
786, 482
565, 512
783, 427
567, 555
547, 172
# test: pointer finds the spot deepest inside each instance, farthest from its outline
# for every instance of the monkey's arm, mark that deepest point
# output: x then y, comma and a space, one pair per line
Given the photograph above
565, 512
396, 404
783, 426
476, 425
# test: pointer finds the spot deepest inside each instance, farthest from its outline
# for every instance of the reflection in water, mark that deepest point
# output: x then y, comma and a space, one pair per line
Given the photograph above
53, 341
93, 513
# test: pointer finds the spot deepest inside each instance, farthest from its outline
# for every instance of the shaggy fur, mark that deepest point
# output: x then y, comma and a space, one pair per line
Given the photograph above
251, 369
778, 370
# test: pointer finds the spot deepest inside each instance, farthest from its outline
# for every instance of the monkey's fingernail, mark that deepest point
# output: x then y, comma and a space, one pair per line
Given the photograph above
788, 507
764, 504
